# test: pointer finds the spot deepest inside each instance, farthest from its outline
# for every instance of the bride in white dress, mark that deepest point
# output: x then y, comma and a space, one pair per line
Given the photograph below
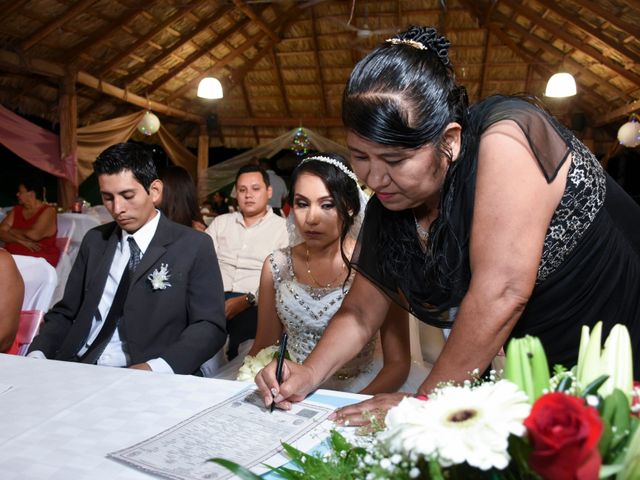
302, 286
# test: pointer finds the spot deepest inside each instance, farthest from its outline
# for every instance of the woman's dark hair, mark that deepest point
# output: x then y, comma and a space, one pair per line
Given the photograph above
127, 156
342, 188
404, 94
34, 183
179, 200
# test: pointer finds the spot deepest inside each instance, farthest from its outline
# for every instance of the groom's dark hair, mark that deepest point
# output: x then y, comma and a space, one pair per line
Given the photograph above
127, 156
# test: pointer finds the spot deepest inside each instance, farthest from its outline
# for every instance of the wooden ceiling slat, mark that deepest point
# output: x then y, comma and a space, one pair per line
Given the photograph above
571, 40
107, 32
316, 57
247, 105
589, 30
179, 14
611, 17
618, 113
45, 30
199, 28
506, 24
279, 81
197, 55
10, 6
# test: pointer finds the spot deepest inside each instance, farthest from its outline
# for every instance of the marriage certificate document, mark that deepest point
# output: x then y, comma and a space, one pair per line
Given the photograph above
239, 429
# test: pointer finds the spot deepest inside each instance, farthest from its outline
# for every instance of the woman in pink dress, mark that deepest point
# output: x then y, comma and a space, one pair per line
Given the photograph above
31, 227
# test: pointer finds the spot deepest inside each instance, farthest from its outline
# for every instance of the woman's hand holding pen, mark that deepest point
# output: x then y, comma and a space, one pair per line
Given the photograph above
297, 383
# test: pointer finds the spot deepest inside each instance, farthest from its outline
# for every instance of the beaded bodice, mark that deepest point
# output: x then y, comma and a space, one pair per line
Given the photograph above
305, 312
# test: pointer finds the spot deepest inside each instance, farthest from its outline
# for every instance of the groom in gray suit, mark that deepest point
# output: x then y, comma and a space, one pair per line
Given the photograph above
144, 292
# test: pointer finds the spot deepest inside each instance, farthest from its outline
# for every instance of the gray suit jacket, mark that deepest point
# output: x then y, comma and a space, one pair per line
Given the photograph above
183, 324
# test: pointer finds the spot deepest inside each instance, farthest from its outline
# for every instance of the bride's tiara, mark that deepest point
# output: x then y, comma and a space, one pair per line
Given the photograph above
411, 43
332, 161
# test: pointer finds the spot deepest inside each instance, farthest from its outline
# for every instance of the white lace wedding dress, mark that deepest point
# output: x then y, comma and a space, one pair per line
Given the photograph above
305, 312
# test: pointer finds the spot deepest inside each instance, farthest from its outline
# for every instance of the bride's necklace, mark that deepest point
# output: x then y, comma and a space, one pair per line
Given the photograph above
321, 285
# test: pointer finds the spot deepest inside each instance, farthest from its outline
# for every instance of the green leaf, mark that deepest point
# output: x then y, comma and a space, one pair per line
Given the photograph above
240, 471
609, 470
593, 387
338, 442
435, 470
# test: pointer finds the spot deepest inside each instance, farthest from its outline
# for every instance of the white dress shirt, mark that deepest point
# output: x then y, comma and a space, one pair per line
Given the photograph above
241, 250
115, 353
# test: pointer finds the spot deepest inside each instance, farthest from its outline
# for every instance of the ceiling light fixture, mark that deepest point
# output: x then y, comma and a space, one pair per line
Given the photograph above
561, 85
210, 88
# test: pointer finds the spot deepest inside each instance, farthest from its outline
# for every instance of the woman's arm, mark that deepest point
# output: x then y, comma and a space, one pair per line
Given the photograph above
396, 350
9, 234
269, 326
360, 316
513, 209
12, 288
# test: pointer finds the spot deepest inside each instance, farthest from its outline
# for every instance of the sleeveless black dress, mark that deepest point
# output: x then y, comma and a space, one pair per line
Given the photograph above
590, 265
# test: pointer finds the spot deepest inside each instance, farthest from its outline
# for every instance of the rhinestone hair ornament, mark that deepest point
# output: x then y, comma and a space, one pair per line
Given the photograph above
340, 166
428, 39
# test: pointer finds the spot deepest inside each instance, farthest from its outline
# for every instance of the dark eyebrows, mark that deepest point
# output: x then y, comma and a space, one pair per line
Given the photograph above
299, 196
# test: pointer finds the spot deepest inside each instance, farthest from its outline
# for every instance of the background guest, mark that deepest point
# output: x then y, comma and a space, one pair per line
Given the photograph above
278, 187
12, 288
242, 241
179, 201
30, 228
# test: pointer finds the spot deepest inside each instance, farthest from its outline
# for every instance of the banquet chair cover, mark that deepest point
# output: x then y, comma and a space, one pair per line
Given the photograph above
40, 280
29, 322
63, 244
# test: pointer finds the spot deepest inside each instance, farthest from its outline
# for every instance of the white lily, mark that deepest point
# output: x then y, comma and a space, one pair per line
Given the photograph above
617, 362
589, 365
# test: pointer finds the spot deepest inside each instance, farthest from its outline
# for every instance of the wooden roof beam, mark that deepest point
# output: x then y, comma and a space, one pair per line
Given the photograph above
280, 121
247, 104
10, 6
51, 69
316, 56
569, 39
589, 30
256, 19
107, 32
179, 14
200, 27
617, 114
45, 30
279, 80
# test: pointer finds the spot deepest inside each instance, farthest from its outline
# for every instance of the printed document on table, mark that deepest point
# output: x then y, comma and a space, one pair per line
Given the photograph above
239, 429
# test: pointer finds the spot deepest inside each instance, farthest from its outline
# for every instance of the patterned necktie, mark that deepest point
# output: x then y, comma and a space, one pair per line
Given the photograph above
134, 258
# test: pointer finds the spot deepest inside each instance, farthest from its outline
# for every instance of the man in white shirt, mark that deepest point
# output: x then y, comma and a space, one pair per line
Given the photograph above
242, 241
278, 187
144, 292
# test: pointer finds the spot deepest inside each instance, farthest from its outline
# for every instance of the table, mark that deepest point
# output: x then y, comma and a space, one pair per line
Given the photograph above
60, 419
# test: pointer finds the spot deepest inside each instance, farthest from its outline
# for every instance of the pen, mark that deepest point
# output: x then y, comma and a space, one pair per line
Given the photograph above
280, 364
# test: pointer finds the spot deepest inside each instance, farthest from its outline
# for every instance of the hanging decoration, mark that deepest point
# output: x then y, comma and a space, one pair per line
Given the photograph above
149, 124
629, 133
301, 142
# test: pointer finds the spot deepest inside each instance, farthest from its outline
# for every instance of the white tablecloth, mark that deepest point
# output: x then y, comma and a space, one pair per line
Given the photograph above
60, 419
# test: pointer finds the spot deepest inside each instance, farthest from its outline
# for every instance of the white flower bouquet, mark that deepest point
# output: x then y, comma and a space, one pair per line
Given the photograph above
252, 365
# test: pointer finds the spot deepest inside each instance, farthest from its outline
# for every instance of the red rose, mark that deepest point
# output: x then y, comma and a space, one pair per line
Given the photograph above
635, 399
564, 434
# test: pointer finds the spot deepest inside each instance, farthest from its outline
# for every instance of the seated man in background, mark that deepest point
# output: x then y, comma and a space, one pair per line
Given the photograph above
144, 291
12, 288
242, 241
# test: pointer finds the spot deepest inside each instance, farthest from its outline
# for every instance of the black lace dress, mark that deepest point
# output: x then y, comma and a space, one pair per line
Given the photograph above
590, 265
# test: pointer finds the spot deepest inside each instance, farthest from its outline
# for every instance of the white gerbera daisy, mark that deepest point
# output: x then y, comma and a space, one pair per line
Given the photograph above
459, 424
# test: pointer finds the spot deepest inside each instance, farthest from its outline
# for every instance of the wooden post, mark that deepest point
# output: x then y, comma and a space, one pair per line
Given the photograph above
68, 111
203, 161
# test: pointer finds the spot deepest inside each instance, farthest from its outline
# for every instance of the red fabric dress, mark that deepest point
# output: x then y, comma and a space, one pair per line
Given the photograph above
48, 249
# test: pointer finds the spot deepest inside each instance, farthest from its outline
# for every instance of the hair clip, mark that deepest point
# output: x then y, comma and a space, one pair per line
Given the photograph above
411, 43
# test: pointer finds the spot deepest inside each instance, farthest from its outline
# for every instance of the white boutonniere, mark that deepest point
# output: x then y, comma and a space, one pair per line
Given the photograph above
159, 278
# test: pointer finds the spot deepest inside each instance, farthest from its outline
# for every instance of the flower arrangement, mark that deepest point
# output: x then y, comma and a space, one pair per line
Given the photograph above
252, 365
578, 424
